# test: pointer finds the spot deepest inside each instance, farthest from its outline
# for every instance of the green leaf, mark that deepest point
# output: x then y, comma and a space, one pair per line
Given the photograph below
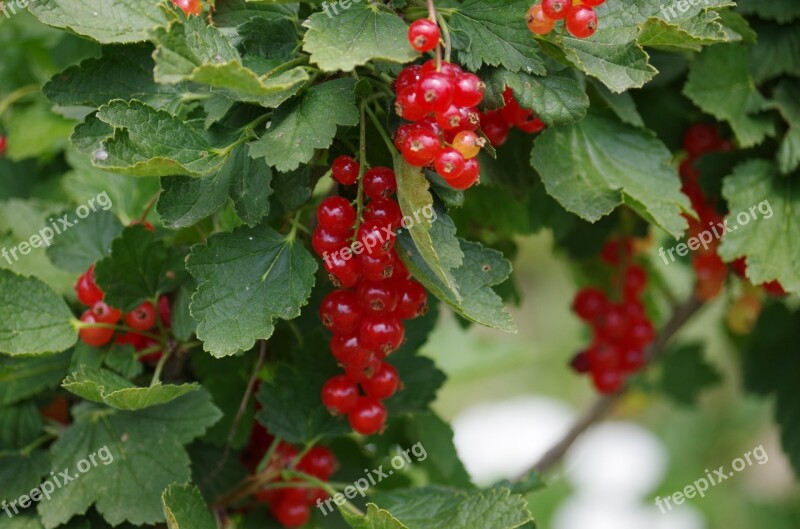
250, 186
437, 507
433, 233
719, 83
139, 267
35, 131
421, 382
595, 165
622, 105
33, 319
777, 51
306, 124
20, 473
122, 360
85, 243
779, 10
362, 33
138, 454
247, 279
106, 387
375, 519
106, 21
495, 34
185, 201
19, 426
691, 33
785, 101
121, 73
482, 269
22, 377
686, 374
442, 463
184, 508
769, 242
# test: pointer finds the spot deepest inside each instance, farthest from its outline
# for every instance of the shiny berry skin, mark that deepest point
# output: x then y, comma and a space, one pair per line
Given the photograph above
450, 69
105, 314
469, 90
344, 273
408, 77
87, 290
640, 333
538, 22
339, 395
345, 170
700, 139
375, 267
190, 7
375, 298
94, 336
421, 146
408, 104
589, 304
631, 359
468, 177
635, 281
380, 182
368, 417
424, 34
581, 22
495, 127
468, 144
325, 242
382, 333
556, 9
608, 382
340, 312
291, 513
412, 299
530, 124
318, 462
449, 163
384, 211
349, 349
142, 318
383, 384
376, 236
435, 91
452, 118
363, 370
400, 270
336, 215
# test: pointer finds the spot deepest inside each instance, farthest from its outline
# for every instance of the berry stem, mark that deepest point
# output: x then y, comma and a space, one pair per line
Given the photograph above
124, 328
362, 167
288, 475
262, 465
160, 367
448, 45
148, 207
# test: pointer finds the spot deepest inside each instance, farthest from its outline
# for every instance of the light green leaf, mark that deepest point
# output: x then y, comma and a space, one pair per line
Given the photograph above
365, 32
786, 101
35, 131
595, 165
86, 242
184, 508
375, 519
247, 279
33, 319
442, 464
306, 124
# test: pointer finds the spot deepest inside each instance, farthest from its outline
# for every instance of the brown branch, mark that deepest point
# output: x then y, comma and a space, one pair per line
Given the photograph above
605, 404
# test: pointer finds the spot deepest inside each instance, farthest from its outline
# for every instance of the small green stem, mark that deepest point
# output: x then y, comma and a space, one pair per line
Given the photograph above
288, 475
448, 45
262, 465
149, 207
362, 166
160, 367
381, 131
16, 95
295, 226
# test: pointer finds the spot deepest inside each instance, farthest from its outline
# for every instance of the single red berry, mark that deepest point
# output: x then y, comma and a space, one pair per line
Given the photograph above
384, 211
130, 338
368, 417
468, 177
402, 134
774, 288
408, 77
412, 299
468, 143
635, 281
142, 318
153, 357
380, 182
538, 22
349, 349
318, 462
340, 312
400, 270
190, 7
383, 384
345, 170
435, 91
612, 323
495, 127
582, 21
556, 9
421, 146
511, 110
377, 237
640, 333
377, 297
105, 314
3, 145
344, 273
608, 382
450, 69
469, 90
700, 139
339, 395
382, 333
631, 359
363, 370
739, 267
589, 303
711, 274
452, 118
377, 267
603, 356
291, 513
326, 242
94, 336
530, 124
408, 104
449, 163
616, 251
165, 311
581, 363
87, 290
336, 215
424, 34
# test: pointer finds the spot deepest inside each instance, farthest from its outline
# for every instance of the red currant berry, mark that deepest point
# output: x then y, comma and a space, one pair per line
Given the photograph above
190, 7
348, 349
617, 251
165, 311
336, 215
344, 273
408, 77
452, 118
640, 333
613, 323
468, 144
408, 104
603, 356
469, 90
530, 124
291, 513
469, 177
402, 134
582, 22
581, 363
631, 359
635, 281
412, 299
400, 270
318, 462
345, 170
375, 267
339, 395
384, 211
556, 9
700, 139
421, 146
377, 297
130, 338
382, 333
711, 274
774, 288
450, 69
383, 384
608, 382
105, 314
150, 358
94, 336
589, 304
325, 242
449, 163
538, 22
435, 91
142, 318
340, 312
377, 237
739, 267
368, 417
495, 127
380, 182
424, 35
87, 290
364, 370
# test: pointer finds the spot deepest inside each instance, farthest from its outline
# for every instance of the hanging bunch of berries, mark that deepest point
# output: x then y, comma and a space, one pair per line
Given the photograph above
496, 124
579, 18
375, 294
621, 329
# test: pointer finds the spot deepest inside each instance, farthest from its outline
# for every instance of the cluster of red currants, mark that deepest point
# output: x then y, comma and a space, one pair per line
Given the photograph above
580, 19
375, 294
190, 7
496, 124
621, 329
140, 320
290, 506
440, 102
